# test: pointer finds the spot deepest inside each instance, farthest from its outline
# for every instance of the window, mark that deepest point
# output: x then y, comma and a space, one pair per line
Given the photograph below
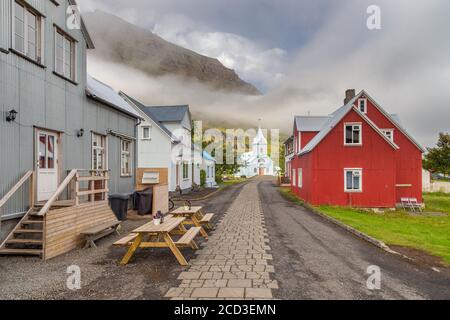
125, 163
353, 134
362, 105
64, 55
146, 133
98, 152
353, 180
389, 133
185, 171
27, 32
294, 183
300, 178
299, 147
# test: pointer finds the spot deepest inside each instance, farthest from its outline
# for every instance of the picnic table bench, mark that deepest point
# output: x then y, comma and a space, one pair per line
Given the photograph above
194, 216
160, 236
100, 231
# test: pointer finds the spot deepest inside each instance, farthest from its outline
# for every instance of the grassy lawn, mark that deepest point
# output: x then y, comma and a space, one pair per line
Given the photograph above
430, 233
437, 202
230, 182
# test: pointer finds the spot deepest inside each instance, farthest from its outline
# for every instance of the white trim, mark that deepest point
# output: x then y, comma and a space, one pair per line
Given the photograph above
389, 117
299, 142
353, 170
391, 131
144, 127
365, 105
353, 124
300, 177
294, 178
128, 153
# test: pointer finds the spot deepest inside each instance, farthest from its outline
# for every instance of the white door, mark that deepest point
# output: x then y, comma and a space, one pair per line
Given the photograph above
47, 164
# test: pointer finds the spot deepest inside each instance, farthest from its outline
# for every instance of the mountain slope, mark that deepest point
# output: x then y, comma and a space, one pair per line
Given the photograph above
119, 41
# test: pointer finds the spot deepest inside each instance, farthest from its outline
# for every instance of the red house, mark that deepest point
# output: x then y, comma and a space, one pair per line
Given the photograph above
359, 156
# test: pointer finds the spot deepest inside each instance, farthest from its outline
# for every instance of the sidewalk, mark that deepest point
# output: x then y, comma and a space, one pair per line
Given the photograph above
234, 262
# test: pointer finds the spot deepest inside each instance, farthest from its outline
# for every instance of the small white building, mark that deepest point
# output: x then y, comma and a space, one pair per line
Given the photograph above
257, 162
165, 144
209, 166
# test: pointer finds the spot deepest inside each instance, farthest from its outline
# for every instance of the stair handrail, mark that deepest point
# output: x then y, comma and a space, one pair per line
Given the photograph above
58, 192
16, 187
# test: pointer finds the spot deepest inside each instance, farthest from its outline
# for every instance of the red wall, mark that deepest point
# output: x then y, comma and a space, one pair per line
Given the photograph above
323, 169
307, 137
408, 157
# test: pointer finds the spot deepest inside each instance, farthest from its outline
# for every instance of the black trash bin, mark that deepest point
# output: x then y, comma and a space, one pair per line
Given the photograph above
119, 205
143, 201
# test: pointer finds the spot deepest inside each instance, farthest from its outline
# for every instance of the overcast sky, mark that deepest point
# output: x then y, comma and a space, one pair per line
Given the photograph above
304, 54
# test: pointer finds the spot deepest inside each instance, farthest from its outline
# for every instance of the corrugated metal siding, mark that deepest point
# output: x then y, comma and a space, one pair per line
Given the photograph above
47, 101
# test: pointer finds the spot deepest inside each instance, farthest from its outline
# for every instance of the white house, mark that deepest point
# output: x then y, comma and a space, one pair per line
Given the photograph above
209, 166
257, 162
165, 143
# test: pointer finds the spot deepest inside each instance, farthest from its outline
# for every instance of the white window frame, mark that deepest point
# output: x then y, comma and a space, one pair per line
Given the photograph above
388, 132
40, 27
365, 105
353, 124
73, 62
300, 177
357, 171
299, 142
294, 178
185, 171
149, 132
126, 153
103, 150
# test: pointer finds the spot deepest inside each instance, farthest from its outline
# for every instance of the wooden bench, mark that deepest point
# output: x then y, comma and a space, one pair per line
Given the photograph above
98, 232
206, 220
187, 240
127, 241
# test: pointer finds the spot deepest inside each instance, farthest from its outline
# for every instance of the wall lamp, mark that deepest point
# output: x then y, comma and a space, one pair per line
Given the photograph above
80, 133
11, 115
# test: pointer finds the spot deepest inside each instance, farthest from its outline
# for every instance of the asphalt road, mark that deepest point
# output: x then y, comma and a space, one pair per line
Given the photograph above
314, 259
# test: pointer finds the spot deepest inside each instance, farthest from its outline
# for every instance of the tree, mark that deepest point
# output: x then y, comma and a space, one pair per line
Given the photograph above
437, 160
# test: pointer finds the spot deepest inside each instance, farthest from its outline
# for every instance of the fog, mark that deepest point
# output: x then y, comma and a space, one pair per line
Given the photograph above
405, 66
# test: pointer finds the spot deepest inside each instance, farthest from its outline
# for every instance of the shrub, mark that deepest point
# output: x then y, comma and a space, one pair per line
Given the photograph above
202, 178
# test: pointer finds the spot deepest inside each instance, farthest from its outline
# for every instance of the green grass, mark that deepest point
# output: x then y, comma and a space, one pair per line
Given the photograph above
227, 183
437, 202
429, 233
289, 195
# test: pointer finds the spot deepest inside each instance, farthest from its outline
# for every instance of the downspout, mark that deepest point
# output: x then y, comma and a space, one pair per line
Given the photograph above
136, 143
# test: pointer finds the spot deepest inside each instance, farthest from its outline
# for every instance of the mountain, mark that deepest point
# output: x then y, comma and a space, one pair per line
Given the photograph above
119, 41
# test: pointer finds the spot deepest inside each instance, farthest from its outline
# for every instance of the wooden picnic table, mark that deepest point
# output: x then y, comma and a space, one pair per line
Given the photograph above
193, 216
159, 236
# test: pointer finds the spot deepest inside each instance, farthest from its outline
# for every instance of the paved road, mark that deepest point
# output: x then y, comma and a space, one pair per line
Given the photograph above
234, 262
315, 259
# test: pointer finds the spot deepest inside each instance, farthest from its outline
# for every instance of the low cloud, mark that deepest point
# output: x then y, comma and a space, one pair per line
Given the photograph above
405, 66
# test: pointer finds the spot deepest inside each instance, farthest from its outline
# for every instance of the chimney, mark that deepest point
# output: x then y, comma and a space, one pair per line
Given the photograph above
349, 95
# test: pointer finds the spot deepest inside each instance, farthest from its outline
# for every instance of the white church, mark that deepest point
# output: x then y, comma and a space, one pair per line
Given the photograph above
257, 162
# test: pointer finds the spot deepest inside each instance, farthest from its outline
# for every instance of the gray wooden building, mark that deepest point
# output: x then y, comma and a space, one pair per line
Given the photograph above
53, 117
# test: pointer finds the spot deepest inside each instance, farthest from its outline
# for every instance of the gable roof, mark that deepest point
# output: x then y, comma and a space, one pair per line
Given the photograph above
150, 115
207, 156
310, 124
84, 31
103, 93
337, 117
169, 113
395, 119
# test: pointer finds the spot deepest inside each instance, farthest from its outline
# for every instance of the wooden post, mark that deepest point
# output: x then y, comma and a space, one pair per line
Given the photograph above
77, 189
32, 189
106, 176
92, 185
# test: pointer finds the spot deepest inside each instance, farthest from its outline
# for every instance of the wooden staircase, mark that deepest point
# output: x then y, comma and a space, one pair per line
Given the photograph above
27, 237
